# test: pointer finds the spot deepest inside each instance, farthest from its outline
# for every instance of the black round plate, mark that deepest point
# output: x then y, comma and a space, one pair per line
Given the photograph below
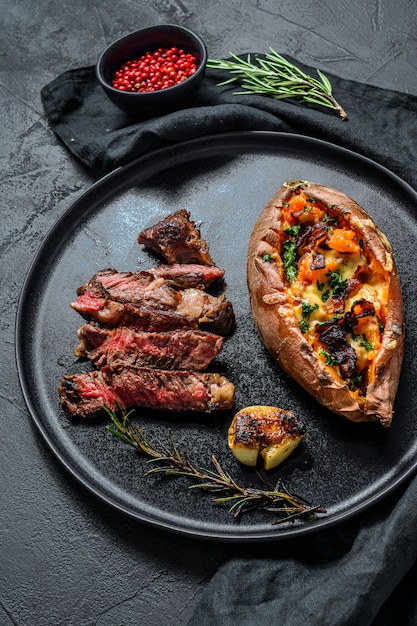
224, 181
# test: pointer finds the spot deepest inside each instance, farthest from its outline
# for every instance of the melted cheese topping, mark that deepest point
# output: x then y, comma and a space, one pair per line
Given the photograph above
338, 291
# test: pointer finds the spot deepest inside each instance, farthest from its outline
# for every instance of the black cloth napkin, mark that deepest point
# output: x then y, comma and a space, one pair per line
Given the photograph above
358, 572
381, 124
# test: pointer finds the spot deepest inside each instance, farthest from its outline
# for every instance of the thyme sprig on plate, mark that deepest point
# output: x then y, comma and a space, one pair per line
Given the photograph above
168, 460
277, 77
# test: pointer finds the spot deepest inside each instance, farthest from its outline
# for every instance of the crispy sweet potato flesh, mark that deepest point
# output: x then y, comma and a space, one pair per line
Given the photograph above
326, 297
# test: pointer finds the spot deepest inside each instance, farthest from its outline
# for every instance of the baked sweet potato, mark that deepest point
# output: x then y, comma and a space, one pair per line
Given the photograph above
326, 297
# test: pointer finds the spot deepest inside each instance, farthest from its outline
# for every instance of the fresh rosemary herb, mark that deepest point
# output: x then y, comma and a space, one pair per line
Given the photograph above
277, 77
168, 460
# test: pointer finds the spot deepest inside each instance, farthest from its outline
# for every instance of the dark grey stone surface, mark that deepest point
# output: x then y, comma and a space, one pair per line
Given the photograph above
65, 557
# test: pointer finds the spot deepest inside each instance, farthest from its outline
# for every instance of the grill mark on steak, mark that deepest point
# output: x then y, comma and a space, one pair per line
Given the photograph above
84, 395
177, 239
175, 350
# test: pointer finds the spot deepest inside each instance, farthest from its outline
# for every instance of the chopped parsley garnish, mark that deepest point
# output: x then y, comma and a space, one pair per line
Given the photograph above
303, 325
289, 250
355, 382
365, 343
306, 310
267, 258
293, 230
325, 295
328, 359
336, 282
292, 273
329, 220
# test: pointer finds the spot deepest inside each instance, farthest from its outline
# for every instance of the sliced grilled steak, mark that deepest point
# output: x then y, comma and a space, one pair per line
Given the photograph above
110, 313
213, 313
84, 395
177, 239
104, 299
185, 275
175, 350
142, 288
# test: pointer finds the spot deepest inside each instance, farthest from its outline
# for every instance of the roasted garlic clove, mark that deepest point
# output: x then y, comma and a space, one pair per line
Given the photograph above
266, 430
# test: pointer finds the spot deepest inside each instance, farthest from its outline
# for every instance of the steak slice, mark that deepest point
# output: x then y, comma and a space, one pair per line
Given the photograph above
193, 308
213, 313
110, 313
185, 275
175, 350
84, 395
177, 239
142, 288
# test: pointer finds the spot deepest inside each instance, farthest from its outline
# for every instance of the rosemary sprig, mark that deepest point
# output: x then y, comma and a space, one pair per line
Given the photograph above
275, 76
169, 461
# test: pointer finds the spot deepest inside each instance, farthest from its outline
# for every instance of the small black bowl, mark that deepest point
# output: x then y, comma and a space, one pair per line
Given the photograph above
148, 40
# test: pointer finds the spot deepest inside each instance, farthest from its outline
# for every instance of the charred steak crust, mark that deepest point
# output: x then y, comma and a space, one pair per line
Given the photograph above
84, 395
177, 239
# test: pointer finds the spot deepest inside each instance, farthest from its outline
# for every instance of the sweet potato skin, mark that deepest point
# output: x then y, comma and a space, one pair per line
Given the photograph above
278, 327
